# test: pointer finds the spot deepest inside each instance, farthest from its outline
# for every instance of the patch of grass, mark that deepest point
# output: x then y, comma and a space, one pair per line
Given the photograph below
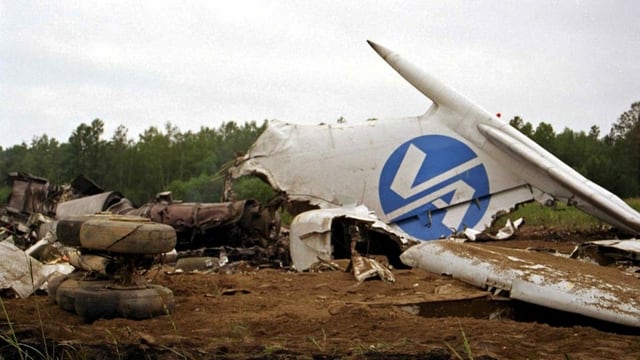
321, 344
360, 348
24, 351
239, 330
28, 352
115, 343
272, 349
44, 338
175, 329
561, 216
634, 203
465, 346
71, 352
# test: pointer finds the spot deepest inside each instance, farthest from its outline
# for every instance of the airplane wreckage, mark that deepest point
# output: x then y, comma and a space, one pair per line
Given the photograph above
401, 188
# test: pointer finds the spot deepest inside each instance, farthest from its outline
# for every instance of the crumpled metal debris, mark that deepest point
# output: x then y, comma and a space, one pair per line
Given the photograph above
325, 235
622, 253
366, 268
605, 252
22, 273
506, 232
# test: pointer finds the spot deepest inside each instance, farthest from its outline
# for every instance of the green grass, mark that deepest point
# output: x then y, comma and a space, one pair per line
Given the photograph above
560, 216
24, 351
466, 347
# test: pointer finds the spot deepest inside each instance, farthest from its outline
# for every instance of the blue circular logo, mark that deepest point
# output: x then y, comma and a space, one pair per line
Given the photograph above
434, 185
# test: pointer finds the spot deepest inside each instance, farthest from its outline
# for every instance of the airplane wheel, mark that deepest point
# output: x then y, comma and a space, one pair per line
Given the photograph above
54, 283
65, 294
117, 234
52, 286
94, 300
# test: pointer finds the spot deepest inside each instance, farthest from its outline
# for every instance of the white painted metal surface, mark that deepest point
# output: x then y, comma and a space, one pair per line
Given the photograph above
310, 233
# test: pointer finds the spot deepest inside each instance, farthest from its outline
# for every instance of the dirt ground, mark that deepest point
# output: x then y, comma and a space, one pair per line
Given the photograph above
278, 314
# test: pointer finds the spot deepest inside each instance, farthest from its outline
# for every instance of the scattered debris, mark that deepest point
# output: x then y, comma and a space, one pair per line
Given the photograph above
31, 220
235, 291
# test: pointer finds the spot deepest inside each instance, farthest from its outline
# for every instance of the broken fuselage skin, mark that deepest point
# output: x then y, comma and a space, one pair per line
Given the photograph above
455, 167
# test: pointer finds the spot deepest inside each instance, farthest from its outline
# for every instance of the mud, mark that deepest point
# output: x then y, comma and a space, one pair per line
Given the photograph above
276, 314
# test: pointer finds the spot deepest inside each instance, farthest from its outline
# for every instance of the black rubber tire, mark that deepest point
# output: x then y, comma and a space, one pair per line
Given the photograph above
96, 303
117, 234
52, 286
54, 283
65, 294
95, 299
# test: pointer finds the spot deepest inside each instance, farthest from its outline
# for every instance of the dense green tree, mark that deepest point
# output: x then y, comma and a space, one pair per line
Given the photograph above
14, 157
86, 150
159, 160
525, 128
203, 188
119, 159
251, 187
152, 159
624, 138
545, 136
44, 158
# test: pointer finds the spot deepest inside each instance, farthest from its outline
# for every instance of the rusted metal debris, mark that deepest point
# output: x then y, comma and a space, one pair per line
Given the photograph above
245, 230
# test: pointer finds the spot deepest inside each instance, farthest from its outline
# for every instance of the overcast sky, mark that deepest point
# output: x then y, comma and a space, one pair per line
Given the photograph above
570, 63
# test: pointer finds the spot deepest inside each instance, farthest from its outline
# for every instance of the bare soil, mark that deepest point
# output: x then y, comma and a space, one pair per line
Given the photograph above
278, 314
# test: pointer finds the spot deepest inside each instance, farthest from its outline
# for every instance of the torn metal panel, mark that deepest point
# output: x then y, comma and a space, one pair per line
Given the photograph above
82, 185
563, 284
367, 268
31, 194
88, 205
506, 232
324, 234
24, 274
457, 166
607, 252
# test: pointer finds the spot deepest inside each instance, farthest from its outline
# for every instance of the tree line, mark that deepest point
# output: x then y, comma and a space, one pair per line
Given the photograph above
189, 163
611, 161
186, 163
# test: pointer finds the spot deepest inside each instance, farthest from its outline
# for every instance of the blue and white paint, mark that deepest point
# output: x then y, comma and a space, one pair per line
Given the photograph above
424, 177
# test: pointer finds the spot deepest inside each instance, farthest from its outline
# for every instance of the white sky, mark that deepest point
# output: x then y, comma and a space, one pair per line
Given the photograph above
140, 64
